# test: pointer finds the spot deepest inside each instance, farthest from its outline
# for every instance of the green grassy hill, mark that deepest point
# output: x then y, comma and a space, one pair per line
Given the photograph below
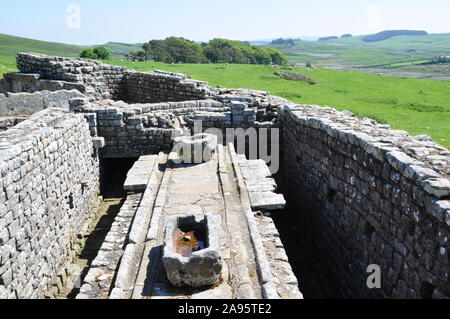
7, 64
120, 49
417, 106
355, 52
11, 45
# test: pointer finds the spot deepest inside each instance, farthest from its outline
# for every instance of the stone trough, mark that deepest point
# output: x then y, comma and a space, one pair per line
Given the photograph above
196, 149
192, 255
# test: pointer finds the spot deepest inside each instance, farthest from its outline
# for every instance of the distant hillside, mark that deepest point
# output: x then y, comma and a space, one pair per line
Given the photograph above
10, 45
117, 48
384, 35
357, 52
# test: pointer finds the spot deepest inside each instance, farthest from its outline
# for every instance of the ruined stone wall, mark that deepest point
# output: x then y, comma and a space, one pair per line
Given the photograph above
49, 183
31, 83
160, 86
133, 130
363, 194
100, 80
4, 86
103, 81
26, 104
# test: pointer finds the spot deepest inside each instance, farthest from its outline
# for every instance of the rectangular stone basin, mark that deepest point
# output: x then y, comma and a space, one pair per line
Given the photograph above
192, 255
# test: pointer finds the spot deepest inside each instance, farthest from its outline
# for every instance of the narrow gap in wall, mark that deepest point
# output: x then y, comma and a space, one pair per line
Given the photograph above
331, 195
410, 226
426, 291
369, 229
113, 173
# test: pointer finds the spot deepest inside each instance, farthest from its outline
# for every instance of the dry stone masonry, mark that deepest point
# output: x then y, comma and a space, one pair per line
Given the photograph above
368, 195
48, 190
356, 192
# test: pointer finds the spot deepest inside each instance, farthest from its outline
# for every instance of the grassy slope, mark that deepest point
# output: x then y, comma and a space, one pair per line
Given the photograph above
7, 64
10, 45
120, 49
417, 106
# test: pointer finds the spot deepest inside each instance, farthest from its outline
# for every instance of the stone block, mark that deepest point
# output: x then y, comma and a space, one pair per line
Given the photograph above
192, 255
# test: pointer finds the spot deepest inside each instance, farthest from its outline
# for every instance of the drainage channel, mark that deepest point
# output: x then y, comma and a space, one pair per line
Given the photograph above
113, 173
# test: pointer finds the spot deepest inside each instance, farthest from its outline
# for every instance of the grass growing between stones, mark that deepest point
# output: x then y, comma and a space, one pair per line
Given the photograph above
416, 106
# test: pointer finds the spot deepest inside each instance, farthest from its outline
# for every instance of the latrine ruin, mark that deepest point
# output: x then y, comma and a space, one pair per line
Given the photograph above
351, 192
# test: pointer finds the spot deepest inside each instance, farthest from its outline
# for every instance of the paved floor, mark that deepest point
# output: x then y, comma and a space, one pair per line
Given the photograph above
200, 189
237, 191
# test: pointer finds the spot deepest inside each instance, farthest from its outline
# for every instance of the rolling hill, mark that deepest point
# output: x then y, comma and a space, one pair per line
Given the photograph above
356, 52
10, 45
120, 49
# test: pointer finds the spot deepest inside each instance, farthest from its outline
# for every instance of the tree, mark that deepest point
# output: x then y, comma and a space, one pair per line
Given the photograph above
98, 53
180, 50
147, 51
87, 54
277, 57
102, 53
175, 50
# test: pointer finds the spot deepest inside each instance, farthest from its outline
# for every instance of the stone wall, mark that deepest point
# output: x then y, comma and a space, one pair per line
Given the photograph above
100, 80
363, 194
105, 81
133, 130
25, 104
160, 86
30, 83
4, 86
49, 185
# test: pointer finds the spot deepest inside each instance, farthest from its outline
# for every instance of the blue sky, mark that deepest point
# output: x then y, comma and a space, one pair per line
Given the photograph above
133, 21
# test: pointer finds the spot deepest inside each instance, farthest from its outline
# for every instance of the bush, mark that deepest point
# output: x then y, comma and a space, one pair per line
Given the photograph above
102, 53
87, 54
98, 53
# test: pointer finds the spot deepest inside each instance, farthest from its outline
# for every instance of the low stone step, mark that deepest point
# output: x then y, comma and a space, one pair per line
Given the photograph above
138, 177
267, 201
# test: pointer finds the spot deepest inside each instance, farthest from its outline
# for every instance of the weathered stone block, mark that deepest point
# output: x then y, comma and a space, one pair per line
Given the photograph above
192, 253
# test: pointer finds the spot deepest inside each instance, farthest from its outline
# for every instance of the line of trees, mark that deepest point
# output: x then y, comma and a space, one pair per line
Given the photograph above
180, 50
284, 42
384, 35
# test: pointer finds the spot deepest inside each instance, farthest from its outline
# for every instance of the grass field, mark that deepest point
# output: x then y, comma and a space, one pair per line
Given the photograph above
417, 106
7, 64
355, 52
